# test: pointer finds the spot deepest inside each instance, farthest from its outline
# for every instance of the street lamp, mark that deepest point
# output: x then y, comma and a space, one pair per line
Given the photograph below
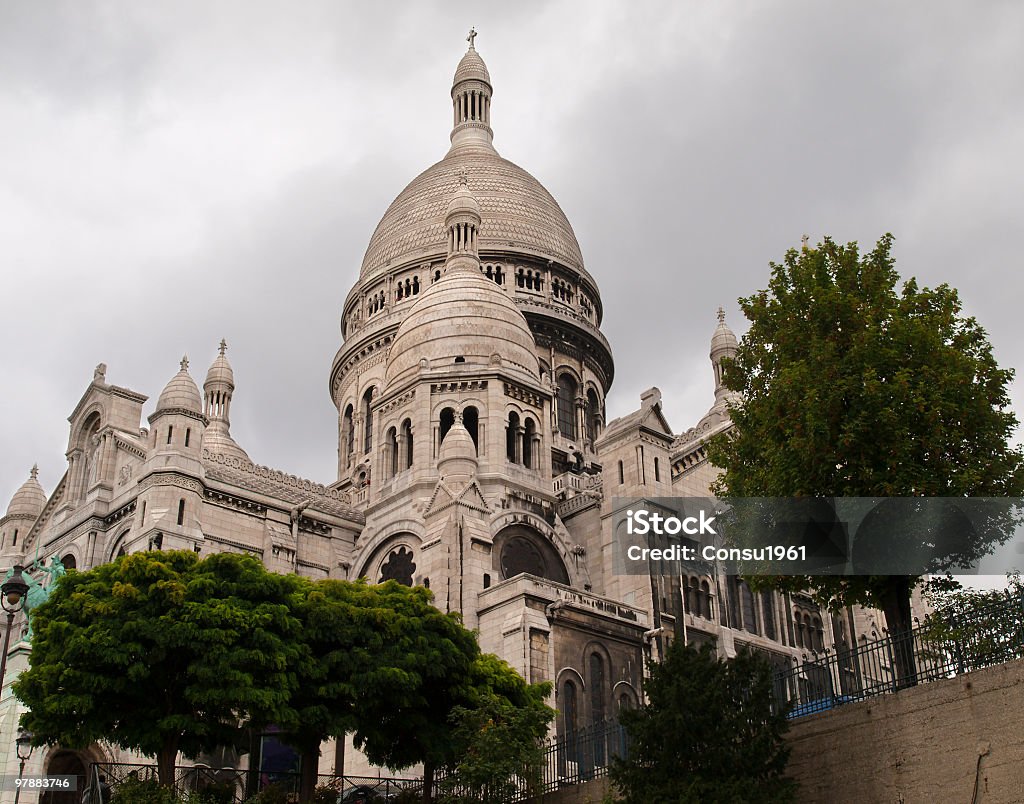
24, 746
12, 599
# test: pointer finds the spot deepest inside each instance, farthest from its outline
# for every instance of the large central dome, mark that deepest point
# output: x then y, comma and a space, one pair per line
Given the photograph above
518, 213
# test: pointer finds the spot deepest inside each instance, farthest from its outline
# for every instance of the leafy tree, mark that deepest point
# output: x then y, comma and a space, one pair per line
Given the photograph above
851, 387
497, 740
974, 628
413, 669
162, 652
384, 663
707, 733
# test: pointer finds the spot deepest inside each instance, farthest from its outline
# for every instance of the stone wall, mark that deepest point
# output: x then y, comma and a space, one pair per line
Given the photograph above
592, 792
919, 745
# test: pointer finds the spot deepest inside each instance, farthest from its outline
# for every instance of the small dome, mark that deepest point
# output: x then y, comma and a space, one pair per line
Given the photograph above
471, 68
462, 318
28, 501
724, 340
463, 202
181, 393
220, 370
456, 459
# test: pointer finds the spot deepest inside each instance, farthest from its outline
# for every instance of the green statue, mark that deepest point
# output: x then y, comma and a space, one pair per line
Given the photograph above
38, 593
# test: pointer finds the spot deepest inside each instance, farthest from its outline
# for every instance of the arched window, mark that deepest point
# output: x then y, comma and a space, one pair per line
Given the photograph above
598, 711
188, 435
570, 707
181, 512
349, 429
567, 405
622, 474
471, 421
705, 601
367, 420
529, 432
511, 434
392, 456
768, 613
817, 635
747, 607
407, 441
69, 562
447, 420
593, 415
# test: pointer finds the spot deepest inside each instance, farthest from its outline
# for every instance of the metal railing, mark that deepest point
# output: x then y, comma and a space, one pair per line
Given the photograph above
231, 784
939, 648
583, 754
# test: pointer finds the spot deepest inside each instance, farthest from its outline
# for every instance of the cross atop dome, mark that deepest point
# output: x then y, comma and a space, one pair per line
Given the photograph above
34, 474
184, 363
721, 315
223, 346
472, 36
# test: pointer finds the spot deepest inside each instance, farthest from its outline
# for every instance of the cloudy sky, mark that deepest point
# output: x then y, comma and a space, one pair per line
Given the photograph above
175, 173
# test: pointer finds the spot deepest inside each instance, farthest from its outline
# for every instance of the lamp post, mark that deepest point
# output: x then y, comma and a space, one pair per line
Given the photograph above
24, 746
12, 599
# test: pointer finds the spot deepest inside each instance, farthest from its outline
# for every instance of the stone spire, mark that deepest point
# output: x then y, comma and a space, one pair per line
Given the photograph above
218, 390
723, 345
463, 224
471, 101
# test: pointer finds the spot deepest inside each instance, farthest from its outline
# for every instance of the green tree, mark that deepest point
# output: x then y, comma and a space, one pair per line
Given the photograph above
385, 664
707, 733
851, 387
974, 628
162, 652
413, 669
497, 738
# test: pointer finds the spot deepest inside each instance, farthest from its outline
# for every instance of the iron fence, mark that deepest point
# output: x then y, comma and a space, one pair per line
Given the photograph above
234, 785
939, 648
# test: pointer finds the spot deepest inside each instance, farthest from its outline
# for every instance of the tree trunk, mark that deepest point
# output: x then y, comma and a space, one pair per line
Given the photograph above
895, 601
309, 769
165, 761
428, 782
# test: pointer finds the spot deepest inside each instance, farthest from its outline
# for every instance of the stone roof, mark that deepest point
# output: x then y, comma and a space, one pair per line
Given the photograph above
181, 393
471, 67
279, 485
28, 501
518, 214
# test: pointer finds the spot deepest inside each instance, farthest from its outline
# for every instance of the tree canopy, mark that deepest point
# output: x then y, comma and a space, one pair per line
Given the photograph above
850, 386
161, 652
707, 733
496, 748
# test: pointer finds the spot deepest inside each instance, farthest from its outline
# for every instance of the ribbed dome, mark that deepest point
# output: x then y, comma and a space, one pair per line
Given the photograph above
471, 67
220, 370
723, 340
518, 214
29, 499
181, 393
462, 315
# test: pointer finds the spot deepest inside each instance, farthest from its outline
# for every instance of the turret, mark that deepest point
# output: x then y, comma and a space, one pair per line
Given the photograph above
24, 509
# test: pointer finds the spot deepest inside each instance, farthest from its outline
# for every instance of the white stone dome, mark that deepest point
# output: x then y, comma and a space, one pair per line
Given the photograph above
28, 501
723, 341
462, 317
471, 68
220, 370
518, 214
181, 393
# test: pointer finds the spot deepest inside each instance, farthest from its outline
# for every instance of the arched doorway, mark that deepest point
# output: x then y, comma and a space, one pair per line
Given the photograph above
66, 763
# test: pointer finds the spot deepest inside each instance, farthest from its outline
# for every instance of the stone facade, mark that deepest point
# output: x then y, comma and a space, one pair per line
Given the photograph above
474, 456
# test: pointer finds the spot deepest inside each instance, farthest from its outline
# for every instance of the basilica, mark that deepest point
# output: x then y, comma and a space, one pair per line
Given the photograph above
474, 456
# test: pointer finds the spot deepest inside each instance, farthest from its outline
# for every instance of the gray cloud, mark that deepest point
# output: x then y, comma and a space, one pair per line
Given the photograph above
174, 174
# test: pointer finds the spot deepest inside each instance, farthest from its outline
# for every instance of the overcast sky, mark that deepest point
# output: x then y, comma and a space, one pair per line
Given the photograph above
175, 173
